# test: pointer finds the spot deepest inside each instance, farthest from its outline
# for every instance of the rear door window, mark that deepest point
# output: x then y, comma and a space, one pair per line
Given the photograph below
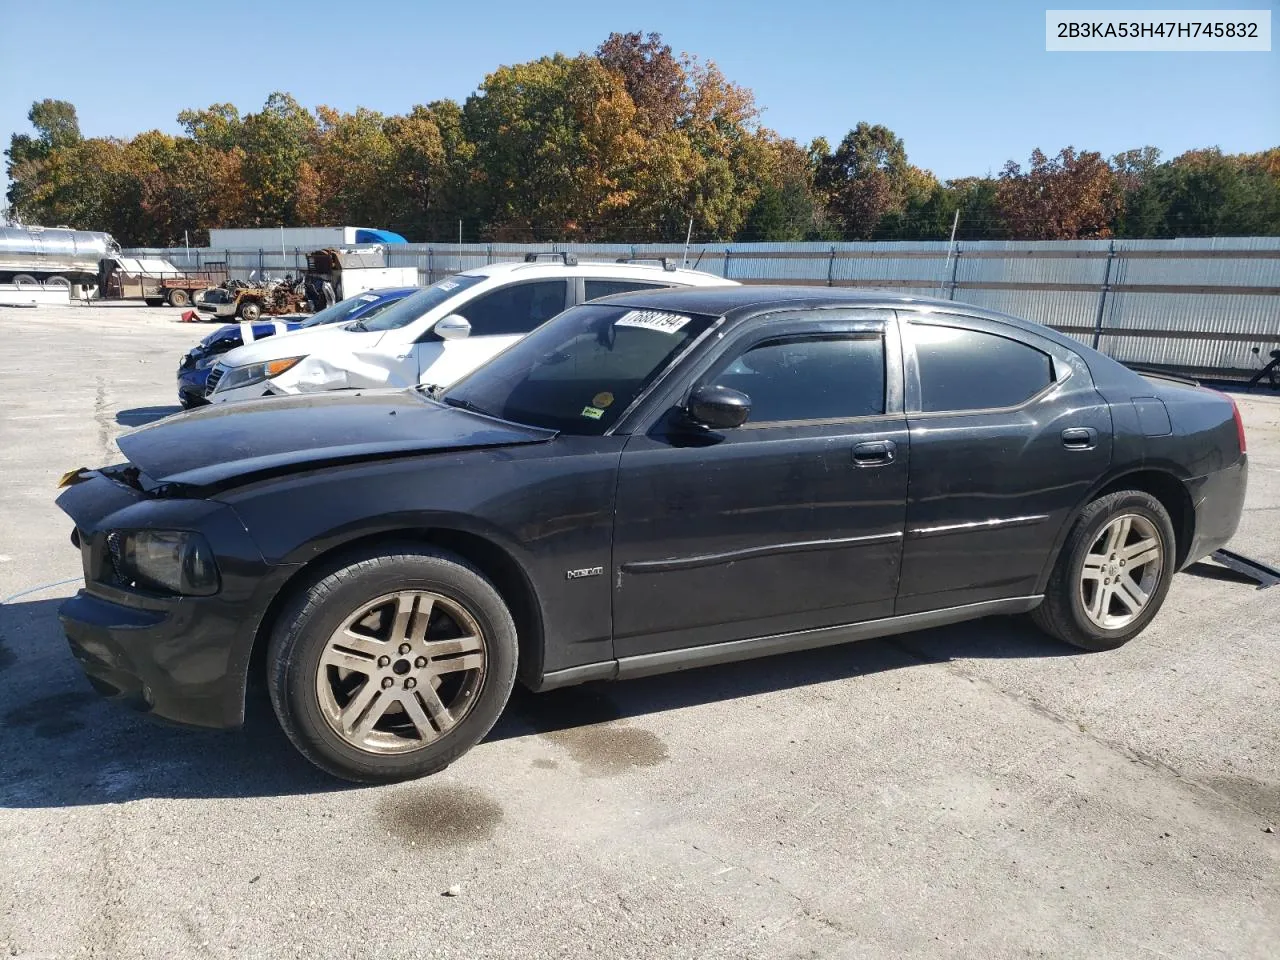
964, 369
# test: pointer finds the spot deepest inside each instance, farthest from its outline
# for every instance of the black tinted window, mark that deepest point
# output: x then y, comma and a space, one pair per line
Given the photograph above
515, 309
607, 288
968, 370
810, 378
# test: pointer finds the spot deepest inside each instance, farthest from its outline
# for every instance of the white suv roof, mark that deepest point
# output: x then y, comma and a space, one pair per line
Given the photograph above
569, 266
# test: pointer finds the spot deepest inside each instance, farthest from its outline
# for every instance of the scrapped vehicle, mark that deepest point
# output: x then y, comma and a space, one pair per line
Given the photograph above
652, 482
194, 367
439, 334
250, 300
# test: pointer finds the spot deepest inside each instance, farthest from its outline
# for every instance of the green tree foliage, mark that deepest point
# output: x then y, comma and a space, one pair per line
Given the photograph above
630, 143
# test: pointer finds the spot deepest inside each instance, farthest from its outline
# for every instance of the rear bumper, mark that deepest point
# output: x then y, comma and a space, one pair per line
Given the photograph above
1219, 502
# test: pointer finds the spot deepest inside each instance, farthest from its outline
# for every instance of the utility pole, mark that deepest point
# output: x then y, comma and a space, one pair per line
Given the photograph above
951, 244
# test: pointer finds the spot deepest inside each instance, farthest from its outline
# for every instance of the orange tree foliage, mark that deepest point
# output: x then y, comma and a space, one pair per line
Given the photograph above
1070, 196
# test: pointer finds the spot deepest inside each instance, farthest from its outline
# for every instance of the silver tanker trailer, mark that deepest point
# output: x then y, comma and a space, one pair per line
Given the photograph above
91, 261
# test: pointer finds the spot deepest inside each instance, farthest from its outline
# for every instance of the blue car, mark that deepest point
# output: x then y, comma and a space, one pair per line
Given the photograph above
193, 369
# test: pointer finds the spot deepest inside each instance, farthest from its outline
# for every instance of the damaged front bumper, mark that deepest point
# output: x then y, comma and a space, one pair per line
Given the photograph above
182, 658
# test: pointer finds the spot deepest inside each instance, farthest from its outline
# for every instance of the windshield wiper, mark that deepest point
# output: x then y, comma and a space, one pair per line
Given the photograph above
359, 327
464, 404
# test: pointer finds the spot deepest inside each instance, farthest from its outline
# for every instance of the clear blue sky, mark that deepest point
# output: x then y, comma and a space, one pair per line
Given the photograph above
966, 83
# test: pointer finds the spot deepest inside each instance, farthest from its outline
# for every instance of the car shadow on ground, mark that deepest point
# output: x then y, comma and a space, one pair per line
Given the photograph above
140, 416
63, 745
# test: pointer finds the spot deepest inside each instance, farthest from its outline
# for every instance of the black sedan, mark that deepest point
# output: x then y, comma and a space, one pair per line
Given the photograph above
647, 483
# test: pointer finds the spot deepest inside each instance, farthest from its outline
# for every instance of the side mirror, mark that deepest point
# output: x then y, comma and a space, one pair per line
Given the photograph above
719, 408
453, 327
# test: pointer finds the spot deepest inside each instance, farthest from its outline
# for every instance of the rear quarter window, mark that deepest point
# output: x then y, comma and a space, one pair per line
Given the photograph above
964, 369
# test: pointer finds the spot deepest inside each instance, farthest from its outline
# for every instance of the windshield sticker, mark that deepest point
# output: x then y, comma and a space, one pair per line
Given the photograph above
592, 413
602, 399
368, 298
652, 320
446, 285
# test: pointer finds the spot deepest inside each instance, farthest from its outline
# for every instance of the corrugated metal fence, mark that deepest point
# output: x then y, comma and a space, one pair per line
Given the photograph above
1208, 307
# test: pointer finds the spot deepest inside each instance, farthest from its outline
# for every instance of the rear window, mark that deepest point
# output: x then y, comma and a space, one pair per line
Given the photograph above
595, 289
971, 370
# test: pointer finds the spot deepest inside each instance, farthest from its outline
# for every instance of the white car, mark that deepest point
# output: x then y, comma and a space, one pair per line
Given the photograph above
437, 335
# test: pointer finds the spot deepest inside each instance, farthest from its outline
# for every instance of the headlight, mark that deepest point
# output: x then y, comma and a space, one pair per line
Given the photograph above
168, 561
252, 373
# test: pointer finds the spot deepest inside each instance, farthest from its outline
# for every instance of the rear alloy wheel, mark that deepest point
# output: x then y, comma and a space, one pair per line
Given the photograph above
392, 665
1113, 573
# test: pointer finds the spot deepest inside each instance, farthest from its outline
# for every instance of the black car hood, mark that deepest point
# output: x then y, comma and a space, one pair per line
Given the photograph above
212, 445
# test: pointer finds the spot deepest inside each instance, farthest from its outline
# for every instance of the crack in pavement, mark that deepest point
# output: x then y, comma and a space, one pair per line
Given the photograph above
1127, 751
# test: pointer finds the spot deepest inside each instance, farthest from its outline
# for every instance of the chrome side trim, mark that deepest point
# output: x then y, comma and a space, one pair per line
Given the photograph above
747, 553
978, 525
669, 661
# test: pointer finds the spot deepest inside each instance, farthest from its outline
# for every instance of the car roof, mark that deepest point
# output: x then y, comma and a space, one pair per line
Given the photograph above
598, 268
740, 302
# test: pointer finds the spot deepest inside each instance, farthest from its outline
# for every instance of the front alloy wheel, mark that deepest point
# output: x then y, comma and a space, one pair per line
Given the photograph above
390, 663
401, 671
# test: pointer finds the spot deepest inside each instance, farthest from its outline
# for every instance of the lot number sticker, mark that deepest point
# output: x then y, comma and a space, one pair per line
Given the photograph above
652, 320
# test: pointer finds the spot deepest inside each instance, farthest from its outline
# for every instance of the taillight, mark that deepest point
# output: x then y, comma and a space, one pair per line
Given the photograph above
1235, 411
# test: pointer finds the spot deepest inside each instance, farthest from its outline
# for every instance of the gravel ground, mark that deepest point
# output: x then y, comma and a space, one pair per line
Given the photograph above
969, 791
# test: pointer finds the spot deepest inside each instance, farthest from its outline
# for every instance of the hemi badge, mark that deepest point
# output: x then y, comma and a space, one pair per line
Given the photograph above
584, 572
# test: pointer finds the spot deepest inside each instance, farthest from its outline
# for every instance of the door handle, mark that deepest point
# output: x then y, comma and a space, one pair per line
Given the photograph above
874, 453
1079, 438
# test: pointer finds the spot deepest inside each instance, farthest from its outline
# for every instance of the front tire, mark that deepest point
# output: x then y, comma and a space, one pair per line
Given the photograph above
392, 665
249, 311
1112, 574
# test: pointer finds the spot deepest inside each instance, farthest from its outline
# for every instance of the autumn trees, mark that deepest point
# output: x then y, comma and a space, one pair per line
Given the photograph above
631, 142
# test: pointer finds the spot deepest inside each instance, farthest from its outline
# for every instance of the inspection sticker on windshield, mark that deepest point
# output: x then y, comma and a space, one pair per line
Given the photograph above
446, 285
592, 413
653, 320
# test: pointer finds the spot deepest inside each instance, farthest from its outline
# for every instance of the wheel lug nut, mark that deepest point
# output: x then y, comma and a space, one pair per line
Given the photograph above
410, 683
1105, 582
420, 662
384, 661
405, 648
386, 682
1122, 563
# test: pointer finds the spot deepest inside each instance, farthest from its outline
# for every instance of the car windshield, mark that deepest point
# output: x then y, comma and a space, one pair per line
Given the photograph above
415, 305
578, 372
343, 309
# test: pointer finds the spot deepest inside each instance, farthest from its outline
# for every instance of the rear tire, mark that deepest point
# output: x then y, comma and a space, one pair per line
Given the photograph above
371, 689
178, 298
1112, 574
